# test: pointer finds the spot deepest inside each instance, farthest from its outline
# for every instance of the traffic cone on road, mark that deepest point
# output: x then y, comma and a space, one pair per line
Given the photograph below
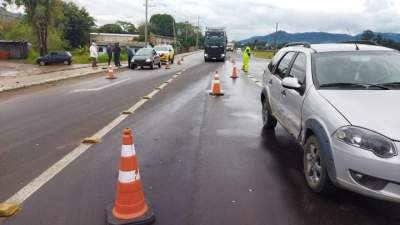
234, 72
216, 86
110, 73
130, 205
167, 66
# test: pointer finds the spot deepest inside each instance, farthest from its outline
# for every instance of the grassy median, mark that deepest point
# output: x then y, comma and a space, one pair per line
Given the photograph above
263, 54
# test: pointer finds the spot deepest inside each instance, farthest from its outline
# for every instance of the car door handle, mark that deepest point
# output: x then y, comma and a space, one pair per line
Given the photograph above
283, 92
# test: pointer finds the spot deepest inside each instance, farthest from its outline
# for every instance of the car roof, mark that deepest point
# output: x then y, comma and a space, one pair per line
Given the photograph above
342, 47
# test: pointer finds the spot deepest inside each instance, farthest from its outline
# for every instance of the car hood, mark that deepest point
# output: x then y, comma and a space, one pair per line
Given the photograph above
141, 57
377, 110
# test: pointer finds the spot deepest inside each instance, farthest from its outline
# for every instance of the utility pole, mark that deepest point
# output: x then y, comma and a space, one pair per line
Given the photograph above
275, 37
146, 41
198, 31
186, 30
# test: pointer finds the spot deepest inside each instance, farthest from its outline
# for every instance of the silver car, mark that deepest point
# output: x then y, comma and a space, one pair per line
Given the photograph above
341, 102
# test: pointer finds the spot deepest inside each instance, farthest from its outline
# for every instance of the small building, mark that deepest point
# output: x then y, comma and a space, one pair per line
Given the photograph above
160, 40
13, 49
104, 39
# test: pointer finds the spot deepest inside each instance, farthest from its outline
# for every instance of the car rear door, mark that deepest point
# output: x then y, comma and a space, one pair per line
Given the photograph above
275, 84
292, 100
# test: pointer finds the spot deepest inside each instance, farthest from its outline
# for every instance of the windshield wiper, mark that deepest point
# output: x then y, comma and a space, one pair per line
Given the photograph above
391, 84
362, 85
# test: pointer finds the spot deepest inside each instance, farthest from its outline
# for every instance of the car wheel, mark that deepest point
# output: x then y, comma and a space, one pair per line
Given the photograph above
159, 64
133, 66
172, 61
315, 170
268, 119
42, 63
152, 66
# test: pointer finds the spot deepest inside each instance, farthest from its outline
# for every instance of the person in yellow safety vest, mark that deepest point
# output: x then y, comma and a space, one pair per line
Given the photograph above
246, 59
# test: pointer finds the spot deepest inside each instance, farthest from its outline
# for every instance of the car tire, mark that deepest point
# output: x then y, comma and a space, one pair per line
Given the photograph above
152, 66
172, 60
159, 64
133, 66
315, 169
269, 120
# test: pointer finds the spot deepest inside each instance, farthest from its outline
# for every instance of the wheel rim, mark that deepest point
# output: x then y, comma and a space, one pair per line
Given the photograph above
313, 165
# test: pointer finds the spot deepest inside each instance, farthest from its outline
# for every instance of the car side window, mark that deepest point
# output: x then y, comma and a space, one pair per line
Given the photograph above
275, 61
284, 64
299, 68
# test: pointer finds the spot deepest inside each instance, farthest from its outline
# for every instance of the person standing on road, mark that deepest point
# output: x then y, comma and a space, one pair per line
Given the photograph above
246, 59
131, 53
109, 53
93, 54
117, 54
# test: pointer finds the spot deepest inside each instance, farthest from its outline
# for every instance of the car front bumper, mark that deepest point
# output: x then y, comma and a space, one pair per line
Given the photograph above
164, 58
141, 63
362, 171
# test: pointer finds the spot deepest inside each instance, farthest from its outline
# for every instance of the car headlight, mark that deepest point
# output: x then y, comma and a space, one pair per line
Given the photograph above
206, 55
148, 60
222, 55
367, 140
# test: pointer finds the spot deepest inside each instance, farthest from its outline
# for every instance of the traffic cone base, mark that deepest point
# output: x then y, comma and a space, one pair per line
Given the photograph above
147, 218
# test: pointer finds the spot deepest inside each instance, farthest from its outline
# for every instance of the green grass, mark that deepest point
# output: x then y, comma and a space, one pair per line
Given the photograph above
263, 54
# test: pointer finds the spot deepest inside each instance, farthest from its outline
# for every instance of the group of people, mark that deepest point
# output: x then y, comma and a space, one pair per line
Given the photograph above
112, 51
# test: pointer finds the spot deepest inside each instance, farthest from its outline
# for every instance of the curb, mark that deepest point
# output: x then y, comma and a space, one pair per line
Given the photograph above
4, 89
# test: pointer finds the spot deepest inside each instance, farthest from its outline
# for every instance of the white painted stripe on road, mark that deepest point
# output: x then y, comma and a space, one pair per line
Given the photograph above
128, 176
128, 150
28, 190
99, 88
47, 175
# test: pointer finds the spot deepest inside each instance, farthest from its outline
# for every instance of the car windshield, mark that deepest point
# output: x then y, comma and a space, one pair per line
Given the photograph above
351, 70
161, 49
144, 52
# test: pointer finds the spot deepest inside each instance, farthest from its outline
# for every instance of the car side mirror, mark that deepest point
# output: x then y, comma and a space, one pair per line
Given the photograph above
291, 83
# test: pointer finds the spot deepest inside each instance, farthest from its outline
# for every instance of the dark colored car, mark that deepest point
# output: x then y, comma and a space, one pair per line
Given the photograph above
55, 57
146, 57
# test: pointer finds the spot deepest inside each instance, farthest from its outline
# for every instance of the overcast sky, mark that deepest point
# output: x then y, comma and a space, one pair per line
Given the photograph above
246, 18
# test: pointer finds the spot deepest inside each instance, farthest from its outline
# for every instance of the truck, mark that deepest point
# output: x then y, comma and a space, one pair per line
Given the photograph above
230, 47
215, 43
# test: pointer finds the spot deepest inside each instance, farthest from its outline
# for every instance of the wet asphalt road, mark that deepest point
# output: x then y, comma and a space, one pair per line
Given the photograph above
204, 160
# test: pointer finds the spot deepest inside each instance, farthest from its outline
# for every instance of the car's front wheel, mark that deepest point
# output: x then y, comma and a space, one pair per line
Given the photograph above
268, 119
152, 65
315, 170
159, 64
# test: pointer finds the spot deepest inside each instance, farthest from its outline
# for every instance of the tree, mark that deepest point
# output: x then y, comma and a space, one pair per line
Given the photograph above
41, 14
76, 25
368, 35
112, 28
127, 27
162, 24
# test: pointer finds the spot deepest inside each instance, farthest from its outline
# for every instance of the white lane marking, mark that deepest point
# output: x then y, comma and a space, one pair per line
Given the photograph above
24, 193
99, 88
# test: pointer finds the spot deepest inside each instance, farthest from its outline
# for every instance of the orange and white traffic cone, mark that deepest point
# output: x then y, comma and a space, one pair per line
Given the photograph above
110, 73
216, 86
130, 205
167, 66
234, 72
